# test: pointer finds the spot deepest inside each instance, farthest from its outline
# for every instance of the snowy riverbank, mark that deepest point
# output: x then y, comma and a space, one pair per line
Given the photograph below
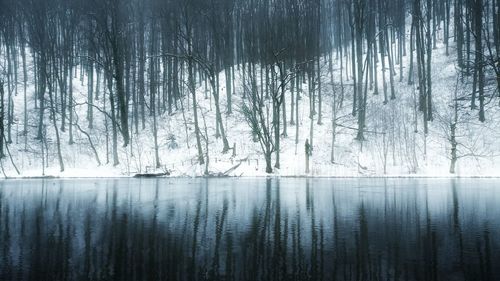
395, 149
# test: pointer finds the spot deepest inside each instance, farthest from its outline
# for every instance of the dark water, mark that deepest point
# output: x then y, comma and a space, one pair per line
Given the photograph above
250, 229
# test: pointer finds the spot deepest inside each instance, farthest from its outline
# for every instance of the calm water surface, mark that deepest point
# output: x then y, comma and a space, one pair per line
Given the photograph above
250, 229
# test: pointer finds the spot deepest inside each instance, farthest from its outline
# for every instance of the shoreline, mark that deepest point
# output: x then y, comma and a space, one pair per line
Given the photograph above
51, 177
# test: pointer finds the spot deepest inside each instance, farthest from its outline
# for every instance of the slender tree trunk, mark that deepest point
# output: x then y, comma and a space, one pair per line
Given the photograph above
70, 101
391, 70
412, 48
218, 114
283, 105
192, 89
25, 96
297, 98
453, 134
120, 92
227, 72
2, 119
358, 18
10, 104
382, 28
56, 129
478, 7
292, 102
152, 92
355, 106
142, 61
41, 95
276, 122
116, 162
90, 95
429, 61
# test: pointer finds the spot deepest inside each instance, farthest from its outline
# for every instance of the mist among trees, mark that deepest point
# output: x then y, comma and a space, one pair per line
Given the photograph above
336, 62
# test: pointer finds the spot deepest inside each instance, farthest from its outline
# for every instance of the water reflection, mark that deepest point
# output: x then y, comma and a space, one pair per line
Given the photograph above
236, 229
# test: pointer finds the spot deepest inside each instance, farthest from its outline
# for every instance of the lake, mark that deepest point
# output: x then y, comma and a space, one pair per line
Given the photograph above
250, 229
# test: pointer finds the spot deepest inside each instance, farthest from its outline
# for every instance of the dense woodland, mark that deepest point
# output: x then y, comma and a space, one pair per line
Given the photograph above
145, 60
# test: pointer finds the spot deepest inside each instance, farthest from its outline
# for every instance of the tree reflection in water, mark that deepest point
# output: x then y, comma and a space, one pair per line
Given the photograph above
243, 229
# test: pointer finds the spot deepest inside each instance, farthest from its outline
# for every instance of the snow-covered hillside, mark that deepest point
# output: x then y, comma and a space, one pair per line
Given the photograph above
76, 131
396, 145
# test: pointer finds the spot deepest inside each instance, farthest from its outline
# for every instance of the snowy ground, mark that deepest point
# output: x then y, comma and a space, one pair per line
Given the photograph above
481, 141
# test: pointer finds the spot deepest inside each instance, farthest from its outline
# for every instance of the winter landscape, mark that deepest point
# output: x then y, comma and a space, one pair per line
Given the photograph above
249, 139
236, 88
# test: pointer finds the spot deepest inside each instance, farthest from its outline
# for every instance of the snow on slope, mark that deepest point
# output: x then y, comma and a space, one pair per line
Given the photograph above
351, 157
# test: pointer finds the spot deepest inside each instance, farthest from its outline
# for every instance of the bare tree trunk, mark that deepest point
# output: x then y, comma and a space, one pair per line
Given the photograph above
121, 95
90, 95
320, 98
56, 129
297, 97
192, 89
283, 105
358, 18
2, 119
453, 134
25, 97
334, 126
391, 69
10, 86
70, 101
152, 91
292, 103
116, 162
227, 71
269, 165
276, 121
412, 48
352, 22
218, 114
41, 95
478, 15
142, 61
383, 28
429, 61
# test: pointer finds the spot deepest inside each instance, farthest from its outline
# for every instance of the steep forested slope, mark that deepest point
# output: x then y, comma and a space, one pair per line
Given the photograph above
237, 87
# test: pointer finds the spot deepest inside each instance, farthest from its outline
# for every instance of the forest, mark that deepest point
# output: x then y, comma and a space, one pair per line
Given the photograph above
249, 87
